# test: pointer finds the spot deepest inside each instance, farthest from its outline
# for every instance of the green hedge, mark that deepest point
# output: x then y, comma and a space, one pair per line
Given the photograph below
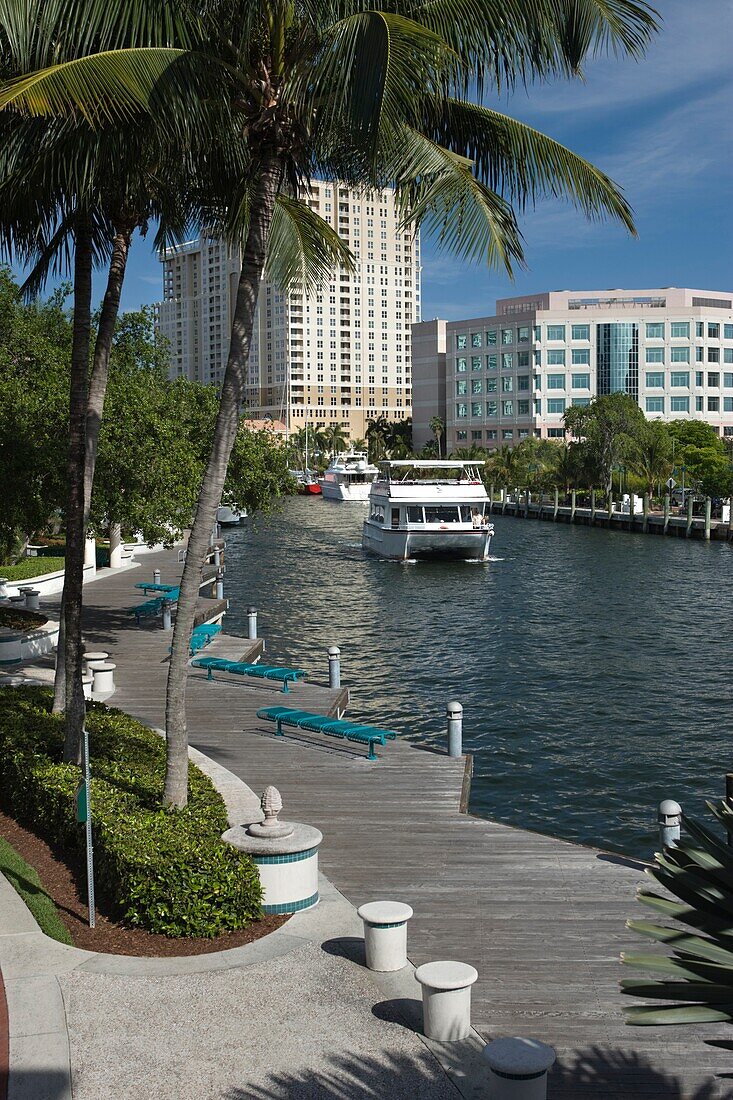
31, 567
164, 870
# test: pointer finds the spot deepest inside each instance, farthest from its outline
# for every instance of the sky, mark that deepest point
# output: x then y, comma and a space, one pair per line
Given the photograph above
662, 128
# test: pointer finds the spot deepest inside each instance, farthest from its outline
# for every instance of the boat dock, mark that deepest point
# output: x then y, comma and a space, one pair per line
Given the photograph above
541, 919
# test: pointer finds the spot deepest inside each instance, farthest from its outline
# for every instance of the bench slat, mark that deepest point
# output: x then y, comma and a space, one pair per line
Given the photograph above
331, 727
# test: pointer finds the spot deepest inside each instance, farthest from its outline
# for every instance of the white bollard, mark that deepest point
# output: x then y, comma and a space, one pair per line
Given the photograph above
518, 1068
217, 557
4, 588
385, 934
104, 679
156, 576
334, 667
86, 681
167, 622
32, 598
446, 999
219, 589
251, 624
454, 716
670, 822
94, 658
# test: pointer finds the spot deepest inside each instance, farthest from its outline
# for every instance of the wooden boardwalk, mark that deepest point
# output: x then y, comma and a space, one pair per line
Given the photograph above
541, 919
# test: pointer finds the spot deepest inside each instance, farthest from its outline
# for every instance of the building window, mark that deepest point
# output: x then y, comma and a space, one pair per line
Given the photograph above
679, 355
522, 408
555, 433
617, 358
523, 334
491, 408
461, 410
655, 380
728, 332
555, 406
475, 385
679, 404
477, 436
581, 357
699, 405
713, 331
537, 407
654, 355
679, 330
461, 434
492, 361
506, 383
491, 433
713, 404
537, 333
655, 331
699, 328
507, 433
475, 339
556, 381
476, 408
538, 358
522, 359
728, 380
507, 408
728, 404
556, 358
713, 379
506, 360
580, 381
580, 332
461, 363
728, 355
491, 337
655, 404
491, 385
523, 382
461, 387
680, 378
699, 378
713, 355
581, 401
556, 332
476, 363
461, 341
507, 336
699, 355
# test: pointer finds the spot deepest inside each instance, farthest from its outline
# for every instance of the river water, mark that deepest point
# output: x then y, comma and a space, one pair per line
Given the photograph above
594, 667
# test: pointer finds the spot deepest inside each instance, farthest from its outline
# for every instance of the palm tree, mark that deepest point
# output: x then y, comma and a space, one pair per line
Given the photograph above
376, 433
651, 456
369, 97
437, 427
334, 439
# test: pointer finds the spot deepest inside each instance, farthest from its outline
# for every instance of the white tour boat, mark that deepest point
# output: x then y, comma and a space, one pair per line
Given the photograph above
349, 477
428, 509
229, 515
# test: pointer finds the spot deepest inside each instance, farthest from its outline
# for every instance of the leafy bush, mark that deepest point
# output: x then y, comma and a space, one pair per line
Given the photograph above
164, 870
19, 619
31, 567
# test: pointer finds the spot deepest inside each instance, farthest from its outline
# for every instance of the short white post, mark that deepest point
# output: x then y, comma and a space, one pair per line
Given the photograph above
156, 576
446, 999
214, 533
251, 624
166, 612
115, 546
220, 584
4, 588
90, 552
518, 1068
385, 934
104, 679
334, 667
217, 556
94, 658
86, 682
454, 716
670, 822
32, 598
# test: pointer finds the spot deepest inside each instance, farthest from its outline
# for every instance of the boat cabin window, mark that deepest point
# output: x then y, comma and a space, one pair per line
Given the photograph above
444, 513
414, 514
377, 513
395, 517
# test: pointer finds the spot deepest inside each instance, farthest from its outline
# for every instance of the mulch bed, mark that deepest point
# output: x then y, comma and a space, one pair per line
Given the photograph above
66, 885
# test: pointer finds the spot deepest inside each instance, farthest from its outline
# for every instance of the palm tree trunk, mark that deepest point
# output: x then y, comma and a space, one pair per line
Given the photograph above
74, 567
227, 423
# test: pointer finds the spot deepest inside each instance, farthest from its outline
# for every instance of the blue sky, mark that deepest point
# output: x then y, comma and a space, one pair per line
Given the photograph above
662, 128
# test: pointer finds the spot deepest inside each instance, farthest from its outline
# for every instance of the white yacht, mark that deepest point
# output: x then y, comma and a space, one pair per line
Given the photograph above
428, 509
229, 515
349, 477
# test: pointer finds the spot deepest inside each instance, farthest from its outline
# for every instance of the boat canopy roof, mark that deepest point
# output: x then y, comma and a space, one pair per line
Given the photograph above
433, 464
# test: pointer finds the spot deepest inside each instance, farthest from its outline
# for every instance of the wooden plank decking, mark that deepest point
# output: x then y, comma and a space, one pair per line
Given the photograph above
541, 919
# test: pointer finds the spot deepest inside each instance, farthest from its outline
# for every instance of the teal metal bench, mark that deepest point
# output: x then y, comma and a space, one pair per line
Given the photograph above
202, 635
331, 727
283, 675
161, 589
145, 610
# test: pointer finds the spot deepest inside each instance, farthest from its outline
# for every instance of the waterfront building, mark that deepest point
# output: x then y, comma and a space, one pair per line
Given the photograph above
498, 379
339, 355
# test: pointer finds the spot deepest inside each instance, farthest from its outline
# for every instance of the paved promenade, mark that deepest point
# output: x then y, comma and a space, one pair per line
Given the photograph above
542, 920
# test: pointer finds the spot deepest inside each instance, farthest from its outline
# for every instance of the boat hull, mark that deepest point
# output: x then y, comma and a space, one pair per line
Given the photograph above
310, 489
229, 517
405, 544
334, 490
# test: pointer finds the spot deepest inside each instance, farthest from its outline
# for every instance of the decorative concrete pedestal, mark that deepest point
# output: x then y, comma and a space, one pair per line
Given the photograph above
286, 854
94, 659
446, 999
32, 598
86, 681
385, 934
518, 1068
104, 679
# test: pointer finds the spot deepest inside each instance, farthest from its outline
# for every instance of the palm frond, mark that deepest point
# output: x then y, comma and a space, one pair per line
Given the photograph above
303, 249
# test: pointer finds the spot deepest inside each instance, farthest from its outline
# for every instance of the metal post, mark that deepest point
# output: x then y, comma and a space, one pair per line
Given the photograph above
217, 557
592, 507
334, 667
251, 624
572, 505
610, 508
454, 716
527, 497
688, 526
214, 533
220, 584
166, 609
491, 497
667, 502
504, 495
556, 505
708, 503
645, 505
670, 821
156, 576
90, 843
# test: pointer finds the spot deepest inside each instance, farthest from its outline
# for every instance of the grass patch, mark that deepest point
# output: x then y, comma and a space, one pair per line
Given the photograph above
26, 882
31, 567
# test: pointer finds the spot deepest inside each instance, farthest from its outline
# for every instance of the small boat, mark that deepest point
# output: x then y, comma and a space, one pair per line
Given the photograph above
307, 482
229, 515
349, 477
428, 509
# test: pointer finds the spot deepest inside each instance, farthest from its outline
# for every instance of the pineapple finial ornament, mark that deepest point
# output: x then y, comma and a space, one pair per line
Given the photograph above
271, 803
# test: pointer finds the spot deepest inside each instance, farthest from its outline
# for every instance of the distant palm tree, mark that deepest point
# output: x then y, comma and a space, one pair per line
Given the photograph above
334, 439
376, 434
437, 427
651, 456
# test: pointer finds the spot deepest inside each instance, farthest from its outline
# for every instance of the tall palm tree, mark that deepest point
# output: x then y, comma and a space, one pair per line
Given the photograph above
651, 456
371, 97
334, 439
437, 427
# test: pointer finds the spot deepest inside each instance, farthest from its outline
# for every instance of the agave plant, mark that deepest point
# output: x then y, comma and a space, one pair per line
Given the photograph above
695, 982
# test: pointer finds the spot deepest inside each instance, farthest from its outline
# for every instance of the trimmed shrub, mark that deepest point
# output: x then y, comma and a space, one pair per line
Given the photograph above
32, 567
164, 870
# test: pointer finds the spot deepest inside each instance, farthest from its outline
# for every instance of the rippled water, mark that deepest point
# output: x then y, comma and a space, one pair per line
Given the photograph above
594, 667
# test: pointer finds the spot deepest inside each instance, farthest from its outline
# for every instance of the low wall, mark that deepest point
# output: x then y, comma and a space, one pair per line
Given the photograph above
24, 646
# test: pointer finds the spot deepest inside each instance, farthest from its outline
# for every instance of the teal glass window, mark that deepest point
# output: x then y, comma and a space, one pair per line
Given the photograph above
699, 406
555, 433
713, 331
713, 404
538, 406
555, 406
538, 381
581, 401
655, 379
491, 337
728, 332
713, 379
654, 355
728, 355
655, 330
507, 408
523, 334
655, 404
461, 341
507, 433
556, 358
538, 358
679, 355
491, 385
461, 363
699, 328
476, 362
476, 385
507, 361
461, 387
680, 330
556, 381
491, 433
699, 355
581, 357
681, 378
728, 404
491, 408
538, 332
679, 404
617, 358
522, 381
522, 408
580, 332
580, 381
461, 410
728, 380
475, 339
556, 332
492, 361
713, 355
476, 408
522, 359
506, 383
507, 336
461, 434
699, 378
